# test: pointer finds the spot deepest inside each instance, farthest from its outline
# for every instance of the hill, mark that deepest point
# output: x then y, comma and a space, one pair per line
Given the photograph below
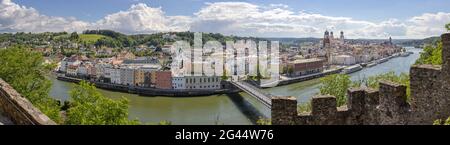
90, 38
419, 43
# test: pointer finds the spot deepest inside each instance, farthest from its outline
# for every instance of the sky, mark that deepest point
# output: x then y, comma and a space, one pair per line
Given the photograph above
259, 18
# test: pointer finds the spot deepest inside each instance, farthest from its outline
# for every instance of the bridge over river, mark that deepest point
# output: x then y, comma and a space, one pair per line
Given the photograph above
257, 93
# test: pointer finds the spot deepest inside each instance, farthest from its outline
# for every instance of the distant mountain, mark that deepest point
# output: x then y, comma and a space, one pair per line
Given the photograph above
294, 41
418, 43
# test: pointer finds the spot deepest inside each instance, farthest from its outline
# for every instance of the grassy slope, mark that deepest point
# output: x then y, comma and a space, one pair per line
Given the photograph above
90, 38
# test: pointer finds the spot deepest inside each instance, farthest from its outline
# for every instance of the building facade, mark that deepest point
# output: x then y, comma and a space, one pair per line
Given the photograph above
127, 76
139, 77
163, 79
305, 66
202, 82
115, 76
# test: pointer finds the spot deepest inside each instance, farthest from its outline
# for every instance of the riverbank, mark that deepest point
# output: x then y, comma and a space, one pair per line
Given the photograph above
303, 91
291, 80
154, 91
227, 109
288, 80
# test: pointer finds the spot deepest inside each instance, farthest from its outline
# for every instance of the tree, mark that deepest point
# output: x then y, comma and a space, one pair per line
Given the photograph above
74, 36
26, 72
432, 54
290, 70
442, 122
264, 121
336, 85
90, 107
403, 78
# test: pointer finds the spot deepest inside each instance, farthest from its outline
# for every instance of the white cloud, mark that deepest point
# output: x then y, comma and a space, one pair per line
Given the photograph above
277, 20
140, 18
428, 24
230, 18
14, 17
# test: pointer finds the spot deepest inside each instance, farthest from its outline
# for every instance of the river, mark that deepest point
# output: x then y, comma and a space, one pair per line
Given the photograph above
303, 91
224, 109
215, 109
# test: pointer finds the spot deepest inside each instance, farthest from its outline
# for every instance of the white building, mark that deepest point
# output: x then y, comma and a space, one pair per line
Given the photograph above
101, 69
84, 69
178, 83
63, 65
127, 75
201, 82
343, 60
72, 71
67, 61
363, 58
107, 73
115, 75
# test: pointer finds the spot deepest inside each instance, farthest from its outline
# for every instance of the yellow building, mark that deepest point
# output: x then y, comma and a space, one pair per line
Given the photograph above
153, 78
139, 77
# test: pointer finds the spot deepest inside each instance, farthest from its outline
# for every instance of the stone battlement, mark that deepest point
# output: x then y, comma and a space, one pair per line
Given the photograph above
430, 100
19, 109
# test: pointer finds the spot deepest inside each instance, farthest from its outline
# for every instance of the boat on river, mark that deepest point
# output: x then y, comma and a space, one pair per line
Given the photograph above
352, 69
382, 60
406, 54
371, 64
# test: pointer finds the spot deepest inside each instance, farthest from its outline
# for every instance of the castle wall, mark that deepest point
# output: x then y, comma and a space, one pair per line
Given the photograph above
19, 109
430, 100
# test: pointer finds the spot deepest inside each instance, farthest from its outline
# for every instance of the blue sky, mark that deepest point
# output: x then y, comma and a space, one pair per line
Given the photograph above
284, 18
375, 10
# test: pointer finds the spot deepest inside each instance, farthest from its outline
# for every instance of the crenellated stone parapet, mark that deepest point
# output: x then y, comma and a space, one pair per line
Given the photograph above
430, 100
19, 109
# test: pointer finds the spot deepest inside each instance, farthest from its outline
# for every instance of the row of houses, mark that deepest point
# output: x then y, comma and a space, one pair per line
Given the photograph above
138, 72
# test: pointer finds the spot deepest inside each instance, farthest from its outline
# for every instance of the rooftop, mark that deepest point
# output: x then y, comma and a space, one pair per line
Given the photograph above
306, 60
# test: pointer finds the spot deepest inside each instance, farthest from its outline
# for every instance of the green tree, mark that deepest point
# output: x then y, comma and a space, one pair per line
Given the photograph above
442, 122
447, 26
403, 78
26, 72
290, 70
336, 85
432, 54
264, 121
304, 107
165, 122
90, 107
74, 36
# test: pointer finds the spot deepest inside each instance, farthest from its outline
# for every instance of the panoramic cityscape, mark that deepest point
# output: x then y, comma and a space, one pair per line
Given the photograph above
151, 62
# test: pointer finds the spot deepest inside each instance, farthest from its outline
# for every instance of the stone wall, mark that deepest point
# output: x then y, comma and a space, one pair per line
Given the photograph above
19, 109
430, 100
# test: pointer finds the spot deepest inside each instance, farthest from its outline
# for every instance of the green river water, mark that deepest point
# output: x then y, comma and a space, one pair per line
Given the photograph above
225, 109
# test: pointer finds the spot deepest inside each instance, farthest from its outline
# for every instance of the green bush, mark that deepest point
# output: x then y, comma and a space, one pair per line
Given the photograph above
90, 107
432, 54
442, 122
336, 85
26, 72
304, 107
403, 78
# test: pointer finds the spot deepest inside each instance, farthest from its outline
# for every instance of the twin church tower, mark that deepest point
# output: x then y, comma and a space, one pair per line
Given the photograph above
329, 37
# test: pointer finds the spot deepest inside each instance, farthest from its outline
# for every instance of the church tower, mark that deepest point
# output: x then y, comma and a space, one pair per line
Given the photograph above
390, 41
327, 46
342, 37
326, 39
